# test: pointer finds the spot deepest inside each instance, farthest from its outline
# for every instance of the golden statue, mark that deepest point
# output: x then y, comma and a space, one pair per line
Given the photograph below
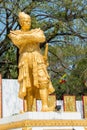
33, 77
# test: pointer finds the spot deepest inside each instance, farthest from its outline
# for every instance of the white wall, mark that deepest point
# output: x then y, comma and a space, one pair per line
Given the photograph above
13, 105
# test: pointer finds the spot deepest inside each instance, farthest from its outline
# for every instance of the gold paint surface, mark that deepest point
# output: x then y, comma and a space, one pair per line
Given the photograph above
58, 129
85, 106
51, 100
43, 123
33, 77
27, 128
69, 103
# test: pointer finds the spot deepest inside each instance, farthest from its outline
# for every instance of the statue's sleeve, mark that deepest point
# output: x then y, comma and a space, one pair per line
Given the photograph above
40, 37
16, 40
37, 36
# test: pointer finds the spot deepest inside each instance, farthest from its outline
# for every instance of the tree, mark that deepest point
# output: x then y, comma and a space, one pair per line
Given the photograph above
64, 24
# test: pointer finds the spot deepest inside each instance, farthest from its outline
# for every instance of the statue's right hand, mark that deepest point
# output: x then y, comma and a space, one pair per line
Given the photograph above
13, 32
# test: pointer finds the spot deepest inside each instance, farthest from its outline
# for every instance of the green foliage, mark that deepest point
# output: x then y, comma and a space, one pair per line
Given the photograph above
64, 23
71, 60
8, 63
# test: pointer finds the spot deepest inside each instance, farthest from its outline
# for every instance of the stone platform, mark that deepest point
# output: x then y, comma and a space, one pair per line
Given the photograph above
44, 121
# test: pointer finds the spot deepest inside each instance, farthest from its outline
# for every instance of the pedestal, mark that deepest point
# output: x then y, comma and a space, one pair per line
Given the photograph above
44, 121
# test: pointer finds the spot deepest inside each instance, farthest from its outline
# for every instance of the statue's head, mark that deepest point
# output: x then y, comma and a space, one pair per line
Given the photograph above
24, 21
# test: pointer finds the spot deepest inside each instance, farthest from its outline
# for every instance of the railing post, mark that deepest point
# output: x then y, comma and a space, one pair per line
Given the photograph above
0, 96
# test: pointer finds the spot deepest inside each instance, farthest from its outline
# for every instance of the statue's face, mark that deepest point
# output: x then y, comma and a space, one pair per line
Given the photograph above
25, 23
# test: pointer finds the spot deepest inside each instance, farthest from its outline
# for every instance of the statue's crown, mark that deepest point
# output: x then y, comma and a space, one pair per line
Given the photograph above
23, 15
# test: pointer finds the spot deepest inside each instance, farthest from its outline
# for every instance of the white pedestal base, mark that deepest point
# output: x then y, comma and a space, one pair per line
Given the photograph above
45, 116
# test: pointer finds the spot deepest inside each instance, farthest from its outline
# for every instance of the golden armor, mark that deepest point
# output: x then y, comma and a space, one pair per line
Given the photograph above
33, 76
